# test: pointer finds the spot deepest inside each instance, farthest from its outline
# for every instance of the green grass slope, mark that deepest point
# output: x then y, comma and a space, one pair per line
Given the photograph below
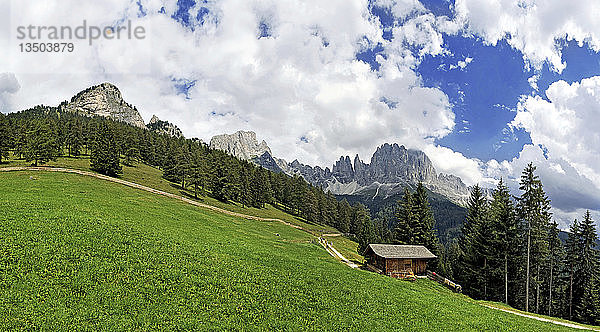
152, 177
79, 253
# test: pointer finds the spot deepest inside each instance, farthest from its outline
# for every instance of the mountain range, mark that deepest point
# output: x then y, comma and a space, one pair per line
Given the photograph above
391, 168
378, 184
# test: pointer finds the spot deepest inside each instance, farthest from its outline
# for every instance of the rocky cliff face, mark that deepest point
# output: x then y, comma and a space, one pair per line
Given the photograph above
392, 167
164, 127
242, 144
105, 100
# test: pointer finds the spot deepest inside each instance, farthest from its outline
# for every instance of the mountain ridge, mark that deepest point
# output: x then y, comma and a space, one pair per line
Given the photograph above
391, 165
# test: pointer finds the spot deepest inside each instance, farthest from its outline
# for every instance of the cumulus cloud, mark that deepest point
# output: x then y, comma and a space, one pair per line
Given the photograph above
565, 149
531, 26
9, 85
295, 81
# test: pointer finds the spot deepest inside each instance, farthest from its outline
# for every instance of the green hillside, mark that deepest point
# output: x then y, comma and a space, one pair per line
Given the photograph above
152, 177
83, 253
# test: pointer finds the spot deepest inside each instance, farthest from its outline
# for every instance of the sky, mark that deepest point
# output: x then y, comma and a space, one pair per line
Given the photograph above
482, 86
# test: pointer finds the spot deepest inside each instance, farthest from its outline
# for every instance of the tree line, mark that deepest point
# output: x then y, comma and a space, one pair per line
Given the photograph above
510, 251
44, 133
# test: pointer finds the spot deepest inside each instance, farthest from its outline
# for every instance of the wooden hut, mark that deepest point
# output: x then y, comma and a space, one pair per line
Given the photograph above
398, 261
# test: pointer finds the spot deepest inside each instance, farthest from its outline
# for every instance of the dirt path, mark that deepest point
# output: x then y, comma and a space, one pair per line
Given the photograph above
336, 254
571, 325
139, 186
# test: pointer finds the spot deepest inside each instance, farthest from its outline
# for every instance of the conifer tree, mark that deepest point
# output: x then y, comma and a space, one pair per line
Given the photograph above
555, 258
533, 208
104, 153
573, 251
587, 308
41, 145
74, 137
5, 137
504, 236
405, 219
197, 171
344, 216
470, 259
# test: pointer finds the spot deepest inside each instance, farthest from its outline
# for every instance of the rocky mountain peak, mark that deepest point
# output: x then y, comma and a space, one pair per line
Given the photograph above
242, 144
164, 127
104, 100
154, 119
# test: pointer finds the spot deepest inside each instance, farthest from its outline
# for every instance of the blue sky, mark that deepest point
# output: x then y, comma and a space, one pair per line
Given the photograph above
485, 93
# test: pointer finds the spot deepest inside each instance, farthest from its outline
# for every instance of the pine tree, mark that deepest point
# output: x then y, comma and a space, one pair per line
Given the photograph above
470, 259
344, 216
405, 219
5, 137
555, 257
504, 236
104, 154
197, 171
534, 210
587, 308
573, 251
424, 229
41, 145
74, 137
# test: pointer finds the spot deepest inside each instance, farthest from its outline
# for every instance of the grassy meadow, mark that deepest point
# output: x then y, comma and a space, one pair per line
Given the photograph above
79, 253
152, 177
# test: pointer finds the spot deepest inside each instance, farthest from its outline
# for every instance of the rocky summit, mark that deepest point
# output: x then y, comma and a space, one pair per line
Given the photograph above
392, 167
163, 127
242, 144
104, 100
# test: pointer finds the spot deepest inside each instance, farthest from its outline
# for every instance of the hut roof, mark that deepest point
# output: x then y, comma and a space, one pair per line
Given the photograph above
401, 251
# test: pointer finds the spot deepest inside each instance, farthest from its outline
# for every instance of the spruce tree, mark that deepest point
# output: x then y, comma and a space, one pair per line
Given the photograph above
424, 229
470, 259
572, 261
533, 208
343, 216
587, 308
555, 258
104, 153
5, 137
504, 237
405, 219
197, 171
41, 145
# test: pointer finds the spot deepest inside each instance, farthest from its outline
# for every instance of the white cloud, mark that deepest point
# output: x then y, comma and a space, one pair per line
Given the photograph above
531, 26
302, 81
447, 161
566, 146
9, 85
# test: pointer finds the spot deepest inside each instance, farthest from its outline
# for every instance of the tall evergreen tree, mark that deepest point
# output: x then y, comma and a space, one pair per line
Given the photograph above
587, 308
504, 237
5, 137
41, 145
533, 208
197, 171
470, 258
555, 258
405, 219
573, 251
104, 153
